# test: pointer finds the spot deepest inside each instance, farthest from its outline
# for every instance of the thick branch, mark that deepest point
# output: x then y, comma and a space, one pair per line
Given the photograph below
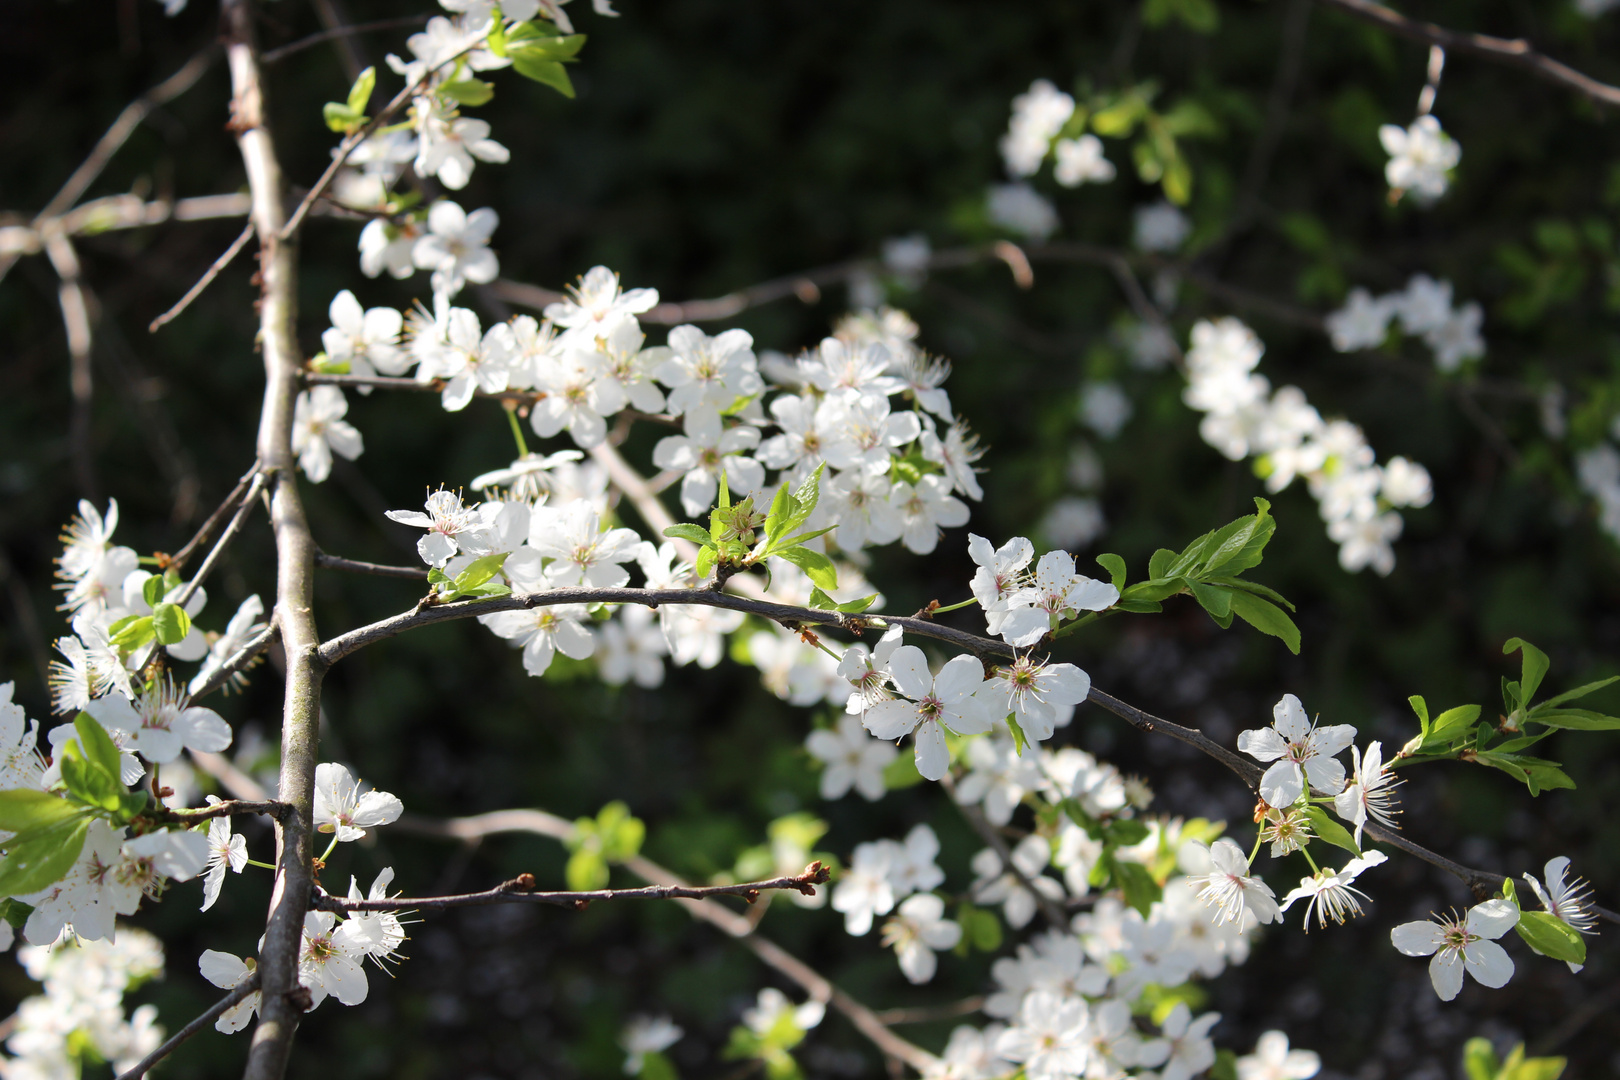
1515, 52
295, 555
521, 890
237, 995
710, 911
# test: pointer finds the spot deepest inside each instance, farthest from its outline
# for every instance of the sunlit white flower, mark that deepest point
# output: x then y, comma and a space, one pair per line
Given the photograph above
1458, 337
772, 1007
228, 972
937, 703
1037, 116
387, 245
542, 632
86, 540
1058, 592
582, 552
864, 890
631, 647
328, 963
375, 935
162, 722
342, 808
1462, 944
917, 930
20, 764
859, 502
226, 851
319, 429
955, 454
645, 1035
448, 144
367, 341
926, 508
1191, 1050
853, 759
596, 306
1272, 1060
1370, 792
456, 247
243, 628
997, 883
1300, 750
450, 526
1569, 900
1049, 1037
1330, 892
704, 452
1231, 890
1421, 158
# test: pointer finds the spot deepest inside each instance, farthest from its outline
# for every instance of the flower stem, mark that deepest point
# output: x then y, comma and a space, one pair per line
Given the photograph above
265, 865
969, 602
327, 854
517, 432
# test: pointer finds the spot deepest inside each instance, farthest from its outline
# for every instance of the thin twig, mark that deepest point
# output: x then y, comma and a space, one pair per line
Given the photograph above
76, 320
730, 922
928, 1014
246, 507
301, 44
1054, 914
244, 658
205, 533
1515, 52
239, 994
355, 566
203, 282
521, 890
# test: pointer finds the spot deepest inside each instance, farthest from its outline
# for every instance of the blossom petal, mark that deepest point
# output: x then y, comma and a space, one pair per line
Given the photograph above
933, 756
1446, 973
1488, 963
891, 719
909, 669
1262, 744
1289, 719
1282, 784
1493, 918
1417, 938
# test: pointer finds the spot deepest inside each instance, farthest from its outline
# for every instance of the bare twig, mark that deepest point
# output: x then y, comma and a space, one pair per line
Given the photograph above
521, 890
1050, 909
234, 780
244, 658
928, 1014
76, 320
1515, 52
203, 282
238, 994
713, 912
301, 44
205, 533
355, 566
243, 509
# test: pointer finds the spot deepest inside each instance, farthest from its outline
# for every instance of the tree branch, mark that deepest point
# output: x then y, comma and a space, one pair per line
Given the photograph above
295, 555
205, 533
240, 662
355, 566
278, 54
1514, 52
710, 911
203, 282
1054, 915
238, 994
521, 890
229, 808
787, 615
243, 509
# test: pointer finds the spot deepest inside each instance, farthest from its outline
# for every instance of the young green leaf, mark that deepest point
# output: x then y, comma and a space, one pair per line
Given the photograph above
1535, 667
471, 92
1159, 564
547, 72
816, 566
170, 624
1267, 618
97, 745
1331, 831
1020, 740
856, 606
1577, 693
1116, 569
1452, 724
152, 590
1551, 936
43, 858
821, 601
697, 534
25, 809
131, 632
479, 571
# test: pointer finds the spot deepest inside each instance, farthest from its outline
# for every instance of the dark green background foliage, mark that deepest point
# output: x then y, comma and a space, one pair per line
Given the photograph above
713, 145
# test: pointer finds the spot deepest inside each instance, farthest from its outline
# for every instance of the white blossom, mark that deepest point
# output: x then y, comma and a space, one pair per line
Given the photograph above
449, 143
1037, 116
365, 340
1231, 890
926, 508
162, 722
1272, 1060
917, 930
597, 307
645, 1035
1421, 158
1362, 323
319, 429
342, 808
1300, 750
1081, 160
704, 452
226, 851
937, 703
852, 758
1459, 945
1370, 792
1021, 209
456, 246
1330, 893
1160, 227
227, 972
1049, 1037
1567, 900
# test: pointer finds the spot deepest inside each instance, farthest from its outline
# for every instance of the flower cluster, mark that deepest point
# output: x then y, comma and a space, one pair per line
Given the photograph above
79, 1019
1423, 309
1243, 417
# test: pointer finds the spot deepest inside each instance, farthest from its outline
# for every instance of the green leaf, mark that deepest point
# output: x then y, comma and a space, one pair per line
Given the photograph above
548, 72
816, 566
152, 590
1420, 707
655, 1066
901, 773
25, 809
1252, 587
1137, 884
1154, 589
697, 534
15, 912
1505, 763
805, 499
1574, 719
32, 864
1225, 1067
1452, 724
856, 606
1160, 563
1541, 778
480, 570
1331, 831
1535, 667
1551, 936
586, 871
1267, 618
1213, 599
471, 92
1578, 692
87, 783
97, 746
340, 118
1479, 1060
360, 92
1020, 740
556, 49
1233, 558
170, 624
799, 538
1116, 569
1519, 1067
131, 632
704, 562
1125, 832
782, 507
1141, 607
821, 601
